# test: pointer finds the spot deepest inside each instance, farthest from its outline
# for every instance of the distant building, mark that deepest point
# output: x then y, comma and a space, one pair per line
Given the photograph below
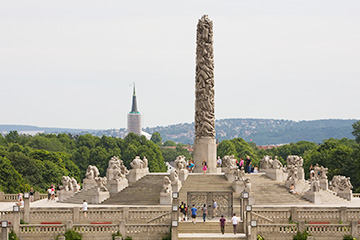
134, 120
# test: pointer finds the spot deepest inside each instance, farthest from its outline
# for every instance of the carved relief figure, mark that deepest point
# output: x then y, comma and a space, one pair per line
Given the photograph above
266, 162
66, 183
315, 184
180, 162
101, 183
137, 163
229, 162
247, 182
75, 185
174, 175
92, 172
145, 162
240, 174
116, 169
341, 183
292, 173
167, 185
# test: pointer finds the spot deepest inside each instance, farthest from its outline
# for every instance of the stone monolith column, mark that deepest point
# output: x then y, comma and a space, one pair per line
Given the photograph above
204, 144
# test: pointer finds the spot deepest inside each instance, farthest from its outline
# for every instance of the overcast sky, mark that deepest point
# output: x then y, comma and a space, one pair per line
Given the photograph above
70, 63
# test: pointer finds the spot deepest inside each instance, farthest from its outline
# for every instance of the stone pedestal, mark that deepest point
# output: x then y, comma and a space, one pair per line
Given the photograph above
347, 194
314, 197
5, 233
275, 174
99, 197
176, 186
115, 186
136, 174
63, 195
300, 173
324, 184
238, 187
183, 174
165, 198
205, 148
301, 186
230, 174
88, 183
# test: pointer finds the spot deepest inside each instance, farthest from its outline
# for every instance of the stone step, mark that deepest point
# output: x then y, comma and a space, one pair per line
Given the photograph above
212, 236
79, 197
145, 191
207, 227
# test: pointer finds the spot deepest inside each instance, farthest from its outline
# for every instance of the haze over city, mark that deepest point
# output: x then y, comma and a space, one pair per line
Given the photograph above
70, 64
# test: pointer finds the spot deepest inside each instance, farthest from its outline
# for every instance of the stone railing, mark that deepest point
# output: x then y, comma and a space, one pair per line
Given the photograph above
15, 197
340, 229
318, 214
286, 231
145, 215
147, 231
356, 195
95, 228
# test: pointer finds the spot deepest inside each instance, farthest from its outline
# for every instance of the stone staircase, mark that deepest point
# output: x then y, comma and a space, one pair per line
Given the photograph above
198, 182
208, 230
145, 191
270, 192
79, 197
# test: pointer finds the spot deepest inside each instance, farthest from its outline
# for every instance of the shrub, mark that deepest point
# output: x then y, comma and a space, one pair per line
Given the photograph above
116, 234
301, 236
128, 238
12, 236
349, 237
259, 237
71, 235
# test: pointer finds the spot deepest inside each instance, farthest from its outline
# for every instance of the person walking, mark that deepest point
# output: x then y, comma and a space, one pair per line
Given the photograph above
204, 164
218, 162
241, 163
193, 213
204, 212
235, 222
31, 194
222, 224
214, 206
84, 207
182, 210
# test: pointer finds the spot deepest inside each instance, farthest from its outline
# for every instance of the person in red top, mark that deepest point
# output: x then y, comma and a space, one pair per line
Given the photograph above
222, 224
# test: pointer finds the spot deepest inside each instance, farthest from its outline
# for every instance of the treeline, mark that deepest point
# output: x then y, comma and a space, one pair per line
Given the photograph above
38, 161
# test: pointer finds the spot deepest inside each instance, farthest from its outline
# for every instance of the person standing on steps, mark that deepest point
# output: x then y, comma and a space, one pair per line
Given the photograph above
222, 224
248, 164
84, 207
204, 212
235, 222
193, 213
204, 164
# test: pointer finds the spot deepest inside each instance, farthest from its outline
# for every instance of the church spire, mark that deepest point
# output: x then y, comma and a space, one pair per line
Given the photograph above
134, 104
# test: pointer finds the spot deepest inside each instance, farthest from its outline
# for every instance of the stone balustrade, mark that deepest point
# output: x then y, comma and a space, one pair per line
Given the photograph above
341, 229
15, 197
264, 229
285, 214
95, 228
356, 195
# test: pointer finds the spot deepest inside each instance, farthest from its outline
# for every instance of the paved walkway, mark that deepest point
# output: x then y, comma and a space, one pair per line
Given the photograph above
212, 235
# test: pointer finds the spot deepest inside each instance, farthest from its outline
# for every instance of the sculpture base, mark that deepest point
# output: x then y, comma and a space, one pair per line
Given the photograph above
275, 174
230, 174
183, 174
205, 148
324, 184
300, 173
115, 186
347, 194
99, 197
176, 186
63, 195
165, 198
314, 197
88, 183
136, 174
300, 185
238, 187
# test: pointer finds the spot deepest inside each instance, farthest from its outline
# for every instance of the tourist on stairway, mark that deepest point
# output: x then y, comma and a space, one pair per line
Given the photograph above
235, 222
193, 213
222, 224
204, 212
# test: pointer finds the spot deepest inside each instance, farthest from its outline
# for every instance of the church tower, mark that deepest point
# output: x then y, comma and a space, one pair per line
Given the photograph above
134, 118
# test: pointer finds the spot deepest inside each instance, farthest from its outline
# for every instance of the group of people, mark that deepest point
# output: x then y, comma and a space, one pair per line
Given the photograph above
183, 209
246, 164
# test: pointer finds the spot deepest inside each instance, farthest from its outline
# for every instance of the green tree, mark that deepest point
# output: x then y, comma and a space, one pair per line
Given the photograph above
10, 179
226, 147
169, 143
12, 137
356, 132
156, 138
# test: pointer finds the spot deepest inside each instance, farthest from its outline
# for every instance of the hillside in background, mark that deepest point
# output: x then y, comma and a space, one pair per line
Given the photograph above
260, 131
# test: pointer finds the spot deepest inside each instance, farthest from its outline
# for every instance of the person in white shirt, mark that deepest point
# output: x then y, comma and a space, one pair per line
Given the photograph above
84, 207
235, 222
